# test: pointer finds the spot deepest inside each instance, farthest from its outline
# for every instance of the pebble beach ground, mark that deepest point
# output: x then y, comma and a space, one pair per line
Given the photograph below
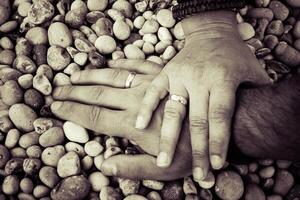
43, 42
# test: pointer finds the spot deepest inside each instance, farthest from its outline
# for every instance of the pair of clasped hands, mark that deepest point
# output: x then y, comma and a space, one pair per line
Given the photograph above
190, 131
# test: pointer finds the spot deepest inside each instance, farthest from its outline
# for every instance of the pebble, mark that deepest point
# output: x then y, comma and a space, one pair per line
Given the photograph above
97, 5
75, 133
84, 45
31, 165
61, 79
29, 139
110, 193
281, 12
284, 181
12, 138
60, 35
40, 12
24, 8
10, 185
81, 58
45, 70
25, 81
26, 185
68, 165
124, 7
246, 31
51, 155
274, 197
103, 26
138, 22
275, 28
98, 160
41, 125
105, 44
5, 123
178, 31
129, 186
283, 164
58, 58
49, 176
42, 84
40, 191
6, 43
153, 195
97, 60
98, 181
268, 183
11, 93
169, 53
152, 38
150, 26
72, 146
121, 30
287, 54
71, 68
22, 116
189, 186
172, 190
24, 64
52, 137
34, 151
293, 3
34, 99
133, 52
37, 35
267, 172
229, 186
253, 191
87, 163
165, 18
153, 184
148, 48
4, 155
296, 30
71, 188
93, 148
135, 197
141, 6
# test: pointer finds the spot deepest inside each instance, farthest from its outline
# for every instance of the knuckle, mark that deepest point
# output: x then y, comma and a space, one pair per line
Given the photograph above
198, 125
97, 93
171, 113
95, 116
115, 74
220, 114
216, 145
168, 141
199, 155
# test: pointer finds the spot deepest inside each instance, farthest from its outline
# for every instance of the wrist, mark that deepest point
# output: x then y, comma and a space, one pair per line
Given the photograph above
211, 24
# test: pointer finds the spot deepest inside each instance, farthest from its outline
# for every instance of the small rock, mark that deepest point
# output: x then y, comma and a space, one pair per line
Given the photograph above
52, 137
29, 139
246, 31
229, 186
280, 11
105, 44
165, 18
4, 155
189, 186
60, 35
111, 151
25, 81
72, 146
133, 52
98, 181
253, 191
12, 139
40, 12
10, 185
152, 184
129, 186
121, 30
284, 181
135, 197
34, 99
49, 176
11, 93
172, 190
31, 165
58, 58
110, 193
22, 116
93, 148
97, 5
71, 188
42, 84
75, 133
26, 185
51, 155
68, 165
267, 172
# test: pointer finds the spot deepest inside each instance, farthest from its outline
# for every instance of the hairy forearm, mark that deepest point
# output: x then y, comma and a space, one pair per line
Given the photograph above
267, 120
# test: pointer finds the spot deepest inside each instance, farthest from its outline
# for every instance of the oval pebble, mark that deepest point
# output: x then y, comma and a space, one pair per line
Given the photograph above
284, 181
60, 35
98, 181
253, 191
133, 52
245, 30
49, 176
22, 116
53, 136
75, 133
105, 44
68, 165
121, 30
93, 148
165, 18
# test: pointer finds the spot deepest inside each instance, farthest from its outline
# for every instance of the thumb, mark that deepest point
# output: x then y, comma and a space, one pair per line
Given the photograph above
259, 76
138, 167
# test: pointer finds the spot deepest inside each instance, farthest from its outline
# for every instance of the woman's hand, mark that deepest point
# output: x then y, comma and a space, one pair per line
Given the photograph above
207, 72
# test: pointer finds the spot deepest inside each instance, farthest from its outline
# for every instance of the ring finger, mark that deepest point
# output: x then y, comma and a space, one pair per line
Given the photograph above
174, 114
110, 77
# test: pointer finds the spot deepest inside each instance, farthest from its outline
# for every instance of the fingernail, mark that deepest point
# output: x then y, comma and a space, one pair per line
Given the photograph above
216, 162
56, 105
109, 169
75, 77
198, 173
208, 182
140, 124
162, 160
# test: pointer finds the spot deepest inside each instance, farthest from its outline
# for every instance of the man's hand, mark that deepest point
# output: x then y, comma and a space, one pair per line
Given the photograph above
207, 72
